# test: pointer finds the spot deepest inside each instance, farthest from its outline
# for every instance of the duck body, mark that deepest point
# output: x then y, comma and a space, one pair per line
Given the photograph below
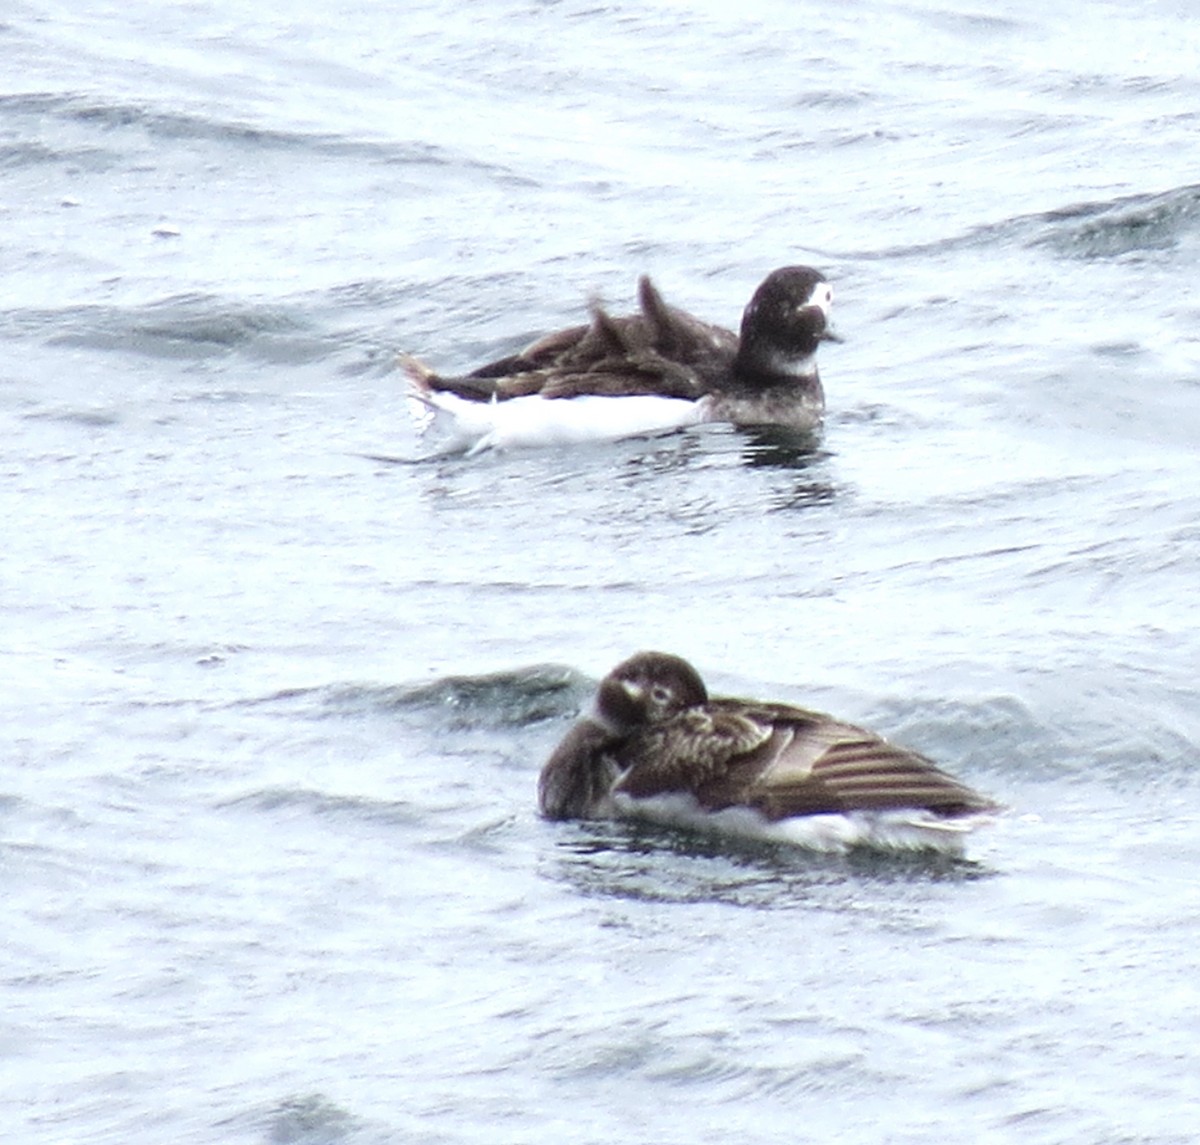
657, 747
651, 372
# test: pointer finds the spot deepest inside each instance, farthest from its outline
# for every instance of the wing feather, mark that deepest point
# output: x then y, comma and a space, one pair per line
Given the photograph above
687, 752
785, 761
834, 766
659, 351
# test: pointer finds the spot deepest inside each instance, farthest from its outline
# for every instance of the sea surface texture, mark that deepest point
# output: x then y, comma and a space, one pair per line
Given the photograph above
277, 683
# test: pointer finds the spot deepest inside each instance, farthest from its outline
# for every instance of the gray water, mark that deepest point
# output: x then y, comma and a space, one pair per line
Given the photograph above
274, 704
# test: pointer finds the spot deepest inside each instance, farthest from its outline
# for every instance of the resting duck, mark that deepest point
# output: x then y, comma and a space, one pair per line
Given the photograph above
645, 373
656, 746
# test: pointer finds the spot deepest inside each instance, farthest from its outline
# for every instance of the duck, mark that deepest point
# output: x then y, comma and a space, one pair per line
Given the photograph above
659, 370
656, 746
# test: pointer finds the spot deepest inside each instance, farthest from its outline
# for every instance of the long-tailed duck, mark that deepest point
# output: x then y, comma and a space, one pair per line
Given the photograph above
645, 373
656, 746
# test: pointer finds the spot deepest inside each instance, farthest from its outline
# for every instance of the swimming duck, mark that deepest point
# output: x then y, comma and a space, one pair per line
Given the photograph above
646, 373
657, 746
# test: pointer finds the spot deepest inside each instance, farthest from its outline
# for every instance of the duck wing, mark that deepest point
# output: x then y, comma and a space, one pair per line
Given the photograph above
788, 761
660, 351
697, 752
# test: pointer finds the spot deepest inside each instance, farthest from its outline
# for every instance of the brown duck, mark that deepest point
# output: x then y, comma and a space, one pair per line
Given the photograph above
650, 372
657, 746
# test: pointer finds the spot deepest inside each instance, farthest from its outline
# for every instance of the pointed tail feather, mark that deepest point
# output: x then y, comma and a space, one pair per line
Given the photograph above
458, 424
418, 374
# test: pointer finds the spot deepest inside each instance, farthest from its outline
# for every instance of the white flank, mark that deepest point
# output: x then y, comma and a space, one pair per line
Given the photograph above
904, 830
533, 421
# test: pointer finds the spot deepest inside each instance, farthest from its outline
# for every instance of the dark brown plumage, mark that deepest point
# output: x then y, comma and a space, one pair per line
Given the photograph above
663, 351
655, 732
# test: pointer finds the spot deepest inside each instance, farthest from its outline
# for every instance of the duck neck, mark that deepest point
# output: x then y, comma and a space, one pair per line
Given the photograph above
776, 351
758, 368
578, 775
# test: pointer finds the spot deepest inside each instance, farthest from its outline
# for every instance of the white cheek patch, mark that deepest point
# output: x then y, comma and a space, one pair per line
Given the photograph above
822, 299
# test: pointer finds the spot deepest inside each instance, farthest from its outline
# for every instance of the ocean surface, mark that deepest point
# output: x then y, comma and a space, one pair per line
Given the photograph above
278, 682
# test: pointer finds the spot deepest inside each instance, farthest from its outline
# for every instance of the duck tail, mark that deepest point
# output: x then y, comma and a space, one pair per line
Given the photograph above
420, 376
422, 405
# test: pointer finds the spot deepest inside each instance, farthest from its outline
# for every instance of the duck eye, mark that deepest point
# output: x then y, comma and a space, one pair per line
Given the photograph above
660, 694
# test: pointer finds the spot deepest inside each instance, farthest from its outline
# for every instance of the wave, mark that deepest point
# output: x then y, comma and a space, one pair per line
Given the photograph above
507, 699
1111, 228
299, 1119
1121, 226
187, 326
1109, 734
27, 153
110, 117
996, 735
347, 319
326, 805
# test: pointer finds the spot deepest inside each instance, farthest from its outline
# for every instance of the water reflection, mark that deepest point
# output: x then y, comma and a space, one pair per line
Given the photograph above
646, 862
801, 463
776, 447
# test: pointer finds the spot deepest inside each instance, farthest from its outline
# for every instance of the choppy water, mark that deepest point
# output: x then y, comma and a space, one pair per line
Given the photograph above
274, 708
